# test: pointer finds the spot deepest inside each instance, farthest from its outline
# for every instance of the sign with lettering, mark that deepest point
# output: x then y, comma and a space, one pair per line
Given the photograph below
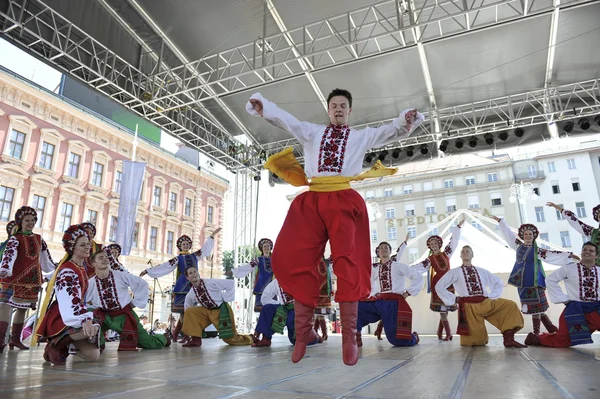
431, 218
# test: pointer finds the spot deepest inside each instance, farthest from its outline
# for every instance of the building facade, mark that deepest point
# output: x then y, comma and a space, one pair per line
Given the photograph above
66, 162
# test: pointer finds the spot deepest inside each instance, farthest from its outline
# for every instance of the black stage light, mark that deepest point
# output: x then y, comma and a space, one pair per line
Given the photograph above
472, 141
256, 178
424, 149
444, 145
382, 155
568, 127
459, 143
597, 119
503, 136
489, 139
369, 158
410, 151
396, 153
584, 123
519, 132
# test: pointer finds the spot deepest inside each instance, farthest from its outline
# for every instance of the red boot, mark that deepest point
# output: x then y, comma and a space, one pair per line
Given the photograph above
379, 330
536, 325
185, 339
3, 329
168, 340
195, 342
176, 330
323, 324
15, 337
446, 324
56, 352
509, 339
548, 324
261, 343
417, 337
348, 315
440, 330
359, 339
305, 333
532, 339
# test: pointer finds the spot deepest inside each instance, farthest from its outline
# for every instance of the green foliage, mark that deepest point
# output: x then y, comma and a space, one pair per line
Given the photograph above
245, 254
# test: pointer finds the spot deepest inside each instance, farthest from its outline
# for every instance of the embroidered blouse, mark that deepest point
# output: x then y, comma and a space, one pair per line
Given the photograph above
112, 293
468, 281
390, 277
582, 284
210, 293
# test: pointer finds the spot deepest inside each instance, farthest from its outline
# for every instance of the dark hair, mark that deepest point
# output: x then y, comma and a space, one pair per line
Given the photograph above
95, 254
590, 244
468, 246
380, 244
188, 268
340, 92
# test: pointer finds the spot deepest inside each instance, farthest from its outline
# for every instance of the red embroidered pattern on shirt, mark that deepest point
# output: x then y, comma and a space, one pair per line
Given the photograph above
385, 276
333, 148
69, 281
10, 253
472, 280
203, 297
588, 283
287, 298
107, 290
587, 229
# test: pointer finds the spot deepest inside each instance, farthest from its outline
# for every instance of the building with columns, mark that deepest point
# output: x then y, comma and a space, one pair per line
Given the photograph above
66, 162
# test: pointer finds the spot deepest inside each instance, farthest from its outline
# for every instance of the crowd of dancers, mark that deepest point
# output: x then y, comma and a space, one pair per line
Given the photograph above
90, 292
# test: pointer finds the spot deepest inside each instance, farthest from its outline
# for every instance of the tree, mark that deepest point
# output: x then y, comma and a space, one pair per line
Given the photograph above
245, 254
228, 262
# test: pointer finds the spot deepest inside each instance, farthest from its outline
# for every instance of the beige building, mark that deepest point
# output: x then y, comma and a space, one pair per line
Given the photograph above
66, 162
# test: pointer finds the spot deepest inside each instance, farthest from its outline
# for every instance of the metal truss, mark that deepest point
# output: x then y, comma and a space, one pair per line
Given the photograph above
385, 27
500, 114
37, 27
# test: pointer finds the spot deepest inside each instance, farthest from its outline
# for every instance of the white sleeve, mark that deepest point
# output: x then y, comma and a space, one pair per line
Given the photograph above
395, 131
454, 239
270, 294
441, 288
243, 270
557, 295
190, 299
554, 257
163, 269
46, 262
92, 298
228, 287
9, 256
207, 248
282, 119
70, 298
494, 284
421, 267
401, 250
139, 288
579, 226
509, 236
415, 278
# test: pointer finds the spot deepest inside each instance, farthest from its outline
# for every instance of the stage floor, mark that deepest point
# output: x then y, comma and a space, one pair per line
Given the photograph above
432, 369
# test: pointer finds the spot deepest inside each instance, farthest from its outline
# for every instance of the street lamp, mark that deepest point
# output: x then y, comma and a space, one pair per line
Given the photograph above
522, 192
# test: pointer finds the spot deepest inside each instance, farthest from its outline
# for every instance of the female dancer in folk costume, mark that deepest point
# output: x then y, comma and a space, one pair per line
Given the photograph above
592, 234
181, 262
23, 258
67, 320
114, 251
325, 292
528, 274
264, 272
436, 265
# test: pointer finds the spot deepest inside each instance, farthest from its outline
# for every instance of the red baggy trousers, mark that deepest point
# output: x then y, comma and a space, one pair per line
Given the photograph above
561, 338
314, 218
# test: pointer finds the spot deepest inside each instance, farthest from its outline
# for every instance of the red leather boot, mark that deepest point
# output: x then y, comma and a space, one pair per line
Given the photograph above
349, 315
305, 332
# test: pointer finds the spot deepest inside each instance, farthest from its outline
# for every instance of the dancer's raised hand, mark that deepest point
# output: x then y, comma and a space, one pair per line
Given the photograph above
257, 105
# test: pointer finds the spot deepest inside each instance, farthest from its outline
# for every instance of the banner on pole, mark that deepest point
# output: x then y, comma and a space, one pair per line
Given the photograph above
131, 188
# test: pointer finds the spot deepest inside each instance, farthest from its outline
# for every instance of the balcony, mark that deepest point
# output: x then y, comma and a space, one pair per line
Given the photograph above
537, 175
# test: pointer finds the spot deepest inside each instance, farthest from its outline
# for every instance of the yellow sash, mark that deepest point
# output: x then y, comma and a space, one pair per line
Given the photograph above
285, 165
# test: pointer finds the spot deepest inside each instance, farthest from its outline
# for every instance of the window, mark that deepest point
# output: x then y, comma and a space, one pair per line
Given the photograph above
532, 171
470, 180
544, 237
551, 167
39, 204
429, 207
575, 184
188, 207
97, 174
388, 192
157, 195
46, 155
559, 215
448, 183
209, 214
409, 210
433, 231
112, 233
427, 186
136, 234
536, 190
413, 255
565, 239
374, 235
555, 188
473, 202
580, 209
392, 233
73, 168
390, 213
370, 194
118, 180
412, 232
173, 202
571, 163
153, 236
170, 236
6, 198
450, 204
92, 216
408, 189
476, 225
16, 144
451, 208
539, 214
496, 199
492, 177
65, 216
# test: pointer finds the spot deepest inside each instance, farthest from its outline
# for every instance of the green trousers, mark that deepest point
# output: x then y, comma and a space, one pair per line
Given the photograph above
145, 340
